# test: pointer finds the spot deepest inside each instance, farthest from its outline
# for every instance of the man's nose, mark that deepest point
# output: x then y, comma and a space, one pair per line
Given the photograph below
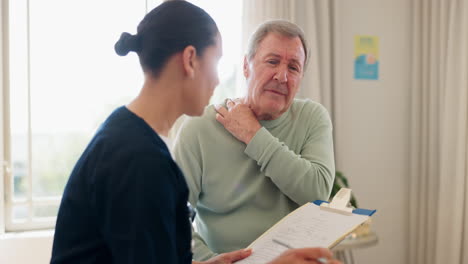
281, 74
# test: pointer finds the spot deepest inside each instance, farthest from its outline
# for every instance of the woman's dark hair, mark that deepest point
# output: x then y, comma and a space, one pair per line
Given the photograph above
166, 30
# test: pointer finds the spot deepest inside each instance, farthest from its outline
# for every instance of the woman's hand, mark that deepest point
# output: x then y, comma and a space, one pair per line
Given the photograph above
306, 255
227, 258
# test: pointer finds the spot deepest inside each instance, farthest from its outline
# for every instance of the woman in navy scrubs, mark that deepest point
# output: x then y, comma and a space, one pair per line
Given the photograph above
126, 199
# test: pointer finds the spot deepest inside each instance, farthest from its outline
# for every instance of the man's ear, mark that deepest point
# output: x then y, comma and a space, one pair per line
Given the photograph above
246, 67
189, 61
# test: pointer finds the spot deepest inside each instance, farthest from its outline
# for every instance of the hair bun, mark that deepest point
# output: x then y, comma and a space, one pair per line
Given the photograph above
126, 43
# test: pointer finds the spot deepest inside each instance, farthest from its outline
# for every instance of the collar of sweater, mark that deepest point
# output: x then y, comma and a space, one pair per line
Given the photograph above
275, 122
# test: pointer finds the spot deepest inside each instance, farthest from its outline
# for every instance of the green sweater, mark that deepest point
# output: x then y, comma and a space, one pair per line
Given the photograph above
238, 190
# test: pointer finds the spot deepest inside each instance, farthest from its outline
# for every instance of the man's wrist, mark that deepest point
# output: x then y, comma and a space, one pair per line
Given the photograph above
252, 134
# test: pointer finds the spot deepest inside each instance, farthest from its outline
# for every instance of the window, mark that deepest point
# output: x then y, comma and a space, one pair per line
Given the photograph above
227, 15
64, 80
62, 85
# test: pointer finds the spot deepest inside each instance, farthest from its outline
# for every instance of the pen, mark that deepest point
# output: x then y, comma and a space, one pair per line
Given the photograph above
286, 245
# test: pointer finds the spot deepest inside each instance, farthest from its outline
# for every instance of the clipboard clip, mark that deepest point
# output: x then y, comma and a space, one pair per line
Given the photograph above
339, 203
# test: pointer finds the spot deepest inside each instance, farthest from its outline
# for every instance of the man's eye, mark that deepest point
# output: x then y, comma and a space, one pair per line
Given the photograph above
294, 68
273, 62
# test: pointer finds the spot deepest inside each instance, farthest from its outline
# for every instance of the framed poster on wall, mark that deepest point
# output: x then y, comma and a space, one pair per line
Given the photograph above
366, 57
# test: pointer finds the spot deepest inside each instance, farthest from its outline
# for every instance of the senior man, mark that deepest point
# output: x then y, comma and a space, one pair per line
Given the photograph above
251, 161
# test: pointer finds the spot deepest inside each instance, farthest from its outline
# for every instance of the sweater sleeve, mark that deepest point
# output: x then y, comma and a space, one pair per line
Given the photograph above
184, 153
304, 176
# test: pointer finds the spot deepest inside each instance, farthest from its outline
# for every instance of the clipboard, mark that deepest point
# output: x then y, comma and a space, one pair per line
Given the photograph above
315, 224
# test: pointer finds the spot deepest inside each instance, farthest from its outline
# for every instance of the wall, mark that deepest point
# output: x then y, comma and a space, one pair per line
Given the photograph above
372, 121
26, 248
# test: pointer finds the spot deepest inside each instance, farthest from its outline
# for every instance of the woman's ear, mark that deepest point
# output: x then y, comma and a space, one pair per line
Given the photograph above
189, 61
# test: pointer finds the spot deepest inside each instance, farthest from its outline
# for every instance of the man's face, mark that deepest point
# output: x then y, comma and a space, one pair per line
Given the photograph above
273, 75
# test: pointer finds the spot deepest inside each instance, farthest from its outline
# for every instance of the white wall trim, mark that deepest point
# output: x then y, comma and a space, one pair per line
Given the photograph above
3, 83
26, 247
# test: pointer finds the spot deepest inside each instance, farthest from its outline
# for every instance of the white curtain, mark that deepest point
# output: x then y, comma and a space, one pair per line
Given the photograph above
314, 17
439, 146
3, 39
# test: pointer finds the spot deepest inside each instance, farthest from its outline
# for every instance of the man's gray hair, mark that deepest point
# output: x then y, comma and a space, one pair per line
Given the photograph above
282, 27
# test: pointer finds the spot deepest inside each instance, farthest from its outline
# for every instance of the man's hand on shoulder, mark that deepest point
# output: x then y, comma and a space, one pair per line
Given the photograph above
238, 119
